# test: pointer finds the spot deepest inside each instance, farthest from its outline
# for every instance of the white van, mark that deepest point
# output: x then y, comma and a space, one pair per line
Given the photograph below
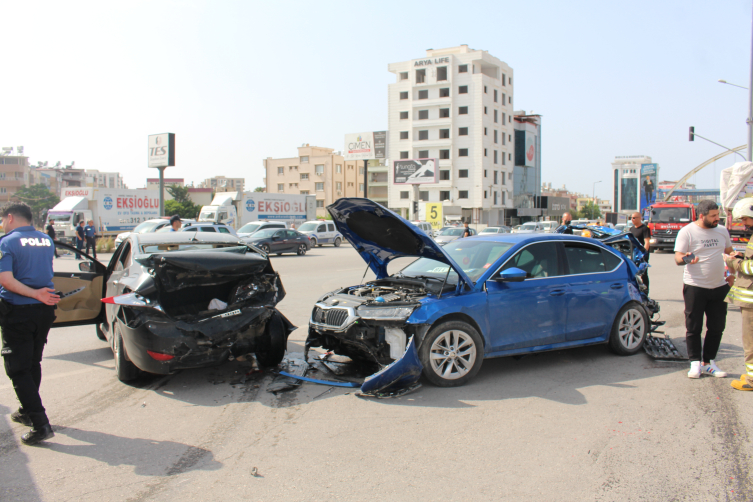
549, 226
321, 232
425, 226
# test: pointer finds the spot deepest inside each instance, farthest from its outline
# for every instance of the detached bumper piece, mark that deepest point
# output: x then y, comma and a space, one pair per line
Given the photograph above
398, 379
661, 348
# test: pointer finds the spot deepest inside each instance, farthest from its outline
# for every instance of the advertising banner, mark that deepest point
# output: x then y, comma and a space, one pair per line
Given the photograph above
365, 145
77, 192
530, 151
648, 185
415, 171
122, 210
290, 208
629, 194
161, 150
434, 214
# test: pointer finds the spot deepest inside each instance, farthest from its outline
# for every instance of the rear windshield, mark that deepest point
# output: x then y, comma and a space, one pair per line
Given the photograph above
188, 246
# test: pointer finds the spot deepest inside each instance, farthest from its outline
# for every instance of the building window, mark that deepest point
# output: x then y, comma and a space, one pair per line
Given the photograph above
339, 185
444, 175
495, 135
485, 194
423, 195
319, 169
293, 185
509, 100
444, 134
509, 176
403, 134
503, 79
503, 159
504, 119
463, 89
444, 154
495, 95
484, 131
281, 187
404, 95
304, 192
403, 115
463, 131
319, 187
281, 170
404, 195
504, 179
420, 76
509, 155
320, 203
338, 168
510, 79
360, 187
463, 173
503, 139
485, 111
444, 113
504, 96
423, 154
484, 173
485, 152
423, 114
423, 94
495, 116
442, 73
495, 177
463, 152
305, 159
444, 92
463, 194
422, 135
444, 195
304, 176
403, 75
463, 68
290, 168
495, 156
360, 171
463, 110
503, 197
403, 155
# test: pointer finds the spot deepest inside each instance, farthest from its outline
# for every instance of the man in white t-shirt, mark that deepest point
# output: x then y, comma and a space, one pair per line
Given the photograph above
705, 287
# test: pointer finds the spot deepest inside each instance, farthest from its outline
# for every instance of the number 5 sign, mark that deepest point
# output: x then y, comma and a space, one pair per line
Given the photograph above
434, 214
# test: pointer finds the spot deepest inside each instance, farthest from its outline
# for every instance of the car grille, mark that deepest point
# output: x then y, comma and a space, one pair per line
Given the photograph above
330, 317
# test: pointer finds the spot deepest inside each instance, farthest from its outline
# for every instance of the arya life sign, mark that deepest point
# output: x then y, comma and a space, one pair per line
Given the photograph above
161, 150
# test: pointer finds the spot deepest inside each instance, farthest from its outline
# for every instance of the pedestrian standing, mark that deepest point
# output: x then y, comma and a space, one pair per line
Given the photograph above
90, 233
643, 234
699, 247
51, 232
27, 311
567, 219
80, 238
741, 293
175, 223
466, 230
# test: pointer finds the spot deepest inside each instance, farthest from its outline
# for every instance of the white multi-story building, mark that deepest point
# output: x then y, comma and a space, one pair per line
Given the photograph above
95, 178
626, 172
455, 105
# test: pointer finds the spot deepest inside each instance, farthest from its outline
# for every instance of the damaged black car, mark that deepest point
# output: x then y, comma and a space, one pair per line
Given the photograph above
174, 301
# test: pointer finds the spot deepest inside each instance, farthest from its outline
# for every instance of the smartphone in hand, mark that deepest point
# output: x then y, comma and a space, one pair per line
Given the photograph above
688, 258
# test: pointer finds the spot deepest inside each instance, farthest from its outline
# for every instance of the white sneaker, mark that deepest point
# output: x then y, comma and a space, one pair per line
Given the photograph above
713, 370
695, 369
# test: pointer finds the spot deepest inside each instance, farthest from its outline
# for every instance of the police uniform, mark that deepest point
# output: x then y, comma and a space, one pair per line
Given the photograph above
741, 294
24, 321
89, 232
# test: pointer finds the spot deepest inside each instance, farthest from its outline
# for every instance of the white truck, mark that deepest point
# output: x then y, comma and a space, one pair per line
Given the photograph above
113, 210
236, 209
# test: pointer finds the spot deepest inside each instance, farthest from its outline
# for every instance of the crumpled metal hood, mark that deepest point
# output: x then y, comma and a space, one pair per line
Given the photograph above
218, 262
380, 235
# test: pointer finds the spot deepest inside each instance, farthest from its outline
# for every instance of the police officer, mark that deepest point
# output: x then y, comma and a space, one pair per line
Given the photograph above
27, 311
80, 238
90, 233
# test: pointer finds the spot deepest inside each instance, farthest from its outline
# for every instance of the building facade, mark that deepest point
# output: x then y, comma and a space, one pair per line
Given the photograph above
14, 174
454, 105
527, 171
315, 171
626, 172
97, 179
223, 184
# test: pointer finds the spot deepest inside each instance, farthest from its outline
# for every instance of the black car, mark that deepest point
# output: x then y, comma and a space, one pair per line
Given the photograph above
274, 240
178, 300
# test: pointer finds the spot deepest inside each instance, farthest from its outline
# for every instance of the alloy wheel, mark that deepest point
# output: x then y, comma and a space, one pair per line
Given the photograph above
632, 329
453, 354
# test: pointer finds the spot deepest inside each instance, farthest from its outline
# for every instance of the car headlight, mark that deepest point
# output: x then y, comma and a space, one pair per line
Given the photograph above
652, 241
385, 312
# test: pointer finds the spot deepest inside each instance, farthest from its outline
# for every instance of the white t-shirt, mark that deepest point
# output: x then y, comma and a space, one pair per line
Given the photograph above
708, 244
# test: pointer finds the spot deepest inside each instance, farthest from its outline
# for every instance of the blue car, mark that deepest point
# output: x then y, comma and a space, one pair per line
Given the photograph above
489, 296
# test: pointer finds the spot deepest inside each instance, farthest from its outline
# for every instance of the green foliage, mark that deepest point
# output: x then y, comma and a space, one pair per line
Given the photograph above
259, 189
39, 198
590, 211
182, 205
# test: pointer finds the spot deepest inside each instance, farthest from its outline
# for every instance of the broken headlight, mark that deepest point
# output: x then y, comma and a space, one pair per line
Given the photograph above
243, 292
384, 313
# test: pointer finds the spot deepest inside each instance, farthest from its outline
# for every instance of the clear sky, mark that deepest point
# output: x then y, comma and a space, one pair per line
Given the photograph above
241, 81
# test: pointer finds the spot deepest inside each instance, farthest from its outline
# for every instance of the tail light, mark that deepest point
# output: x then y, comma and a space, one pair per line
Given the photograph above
158, 356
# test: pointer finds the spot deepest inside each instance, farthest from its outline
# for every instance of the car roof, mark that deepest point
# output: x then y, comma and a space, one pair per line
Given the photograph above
526, 238
181, 237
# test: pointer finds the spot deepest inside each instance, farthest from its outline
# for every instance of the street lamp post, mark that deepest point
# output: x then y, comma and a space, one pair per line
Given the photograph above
593, 202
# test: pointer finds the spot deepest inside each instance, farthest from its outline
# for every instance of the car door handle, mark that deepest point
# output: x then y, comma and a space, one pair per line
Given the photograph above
616, 286
557, 292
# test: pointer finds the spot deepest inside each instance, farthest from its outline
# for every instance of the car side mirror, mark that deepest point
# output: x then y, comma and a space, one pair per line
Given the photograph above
86, 266
511, 275
275, 237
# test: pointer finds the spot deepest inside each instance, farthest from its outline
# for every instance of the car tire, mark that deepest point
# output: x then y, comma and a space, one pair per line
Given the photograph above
441, 359
279, 254
264, 248
301, 249
629, 330
125, 369
337, 242
273, 350
313, 243
100, 333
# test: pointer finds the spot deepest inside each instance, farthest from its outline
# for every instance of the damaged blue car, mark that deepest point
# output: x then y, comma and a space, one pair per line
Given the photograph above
489, 296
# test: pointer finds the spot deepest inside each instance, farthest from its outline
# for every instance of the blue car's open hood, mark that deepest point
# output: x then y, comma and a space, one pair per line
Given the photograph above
379, 236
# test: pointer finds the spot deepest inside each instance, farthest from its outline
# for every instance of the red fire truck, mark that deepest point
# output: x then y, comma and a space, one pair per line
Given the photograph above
665, 221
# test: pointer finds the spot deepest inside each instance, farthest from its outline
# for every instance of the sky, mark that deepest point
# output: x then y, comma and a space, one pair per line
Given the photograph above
239, 81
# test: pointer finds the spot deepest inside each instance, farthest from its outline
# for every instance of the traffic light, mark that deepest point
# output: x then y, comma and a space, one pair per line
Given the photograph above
692, 134
415, 209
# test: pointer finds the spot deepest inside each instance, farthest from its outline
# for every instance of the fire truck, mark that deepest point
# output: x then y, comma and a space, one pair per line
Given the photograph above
665, 219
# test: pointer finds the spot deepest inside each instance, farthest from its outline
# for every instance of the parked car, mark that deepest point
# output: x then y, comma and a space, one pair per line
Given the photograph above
425, 226
452, 233
491, 296
278, 241
532, 227
193, 226
495, 230
321, 232
170, 301
549, 226
254, 226
148, 226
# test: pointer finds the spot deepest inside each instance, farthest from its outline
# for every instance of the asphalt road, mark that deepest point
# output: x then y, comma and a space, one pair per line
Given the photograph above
581, 424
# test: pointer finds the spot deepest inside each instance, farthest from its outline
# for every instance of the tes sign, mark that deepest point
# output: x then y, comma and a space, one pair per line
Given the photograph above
162, 150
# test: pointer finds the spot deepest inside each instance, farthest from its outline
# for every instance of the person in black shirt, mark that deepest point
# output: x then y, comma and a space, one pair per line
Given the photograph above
643, 234
80, 238
567, 218
466, 230
51, 232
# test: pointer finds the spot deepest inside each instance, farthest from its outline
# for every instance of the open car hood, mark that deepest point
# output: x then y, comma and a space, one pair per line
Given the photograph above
380, 235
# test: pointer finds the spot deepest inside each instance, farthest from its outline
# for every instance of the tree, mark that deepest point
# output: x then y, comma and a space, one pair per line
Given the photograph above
591, 211
39, 199
259, 189
182, 205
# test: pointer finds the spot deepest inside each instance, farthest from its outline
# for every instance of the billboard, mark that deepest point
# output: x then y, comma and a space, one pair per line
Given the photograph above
530, 151
415, 171
648, 185
365, 145
629, 194
434, 214
161, 150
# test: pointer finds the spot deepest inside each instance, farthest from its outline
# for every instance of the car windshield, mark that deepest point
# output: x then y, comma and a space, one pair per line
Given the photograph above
455, 232
60, 217
473, 256
267, 232
670, 214
249, 228
146, 227
207, 215
166, 247
490, 230
528, 226
308, 227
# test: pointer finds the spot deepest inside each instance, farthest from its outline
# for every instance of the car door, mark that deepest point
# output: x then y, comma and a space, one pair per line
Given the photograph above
331, 232
277, 242
321, 234
81, 286
598, 284
532, 312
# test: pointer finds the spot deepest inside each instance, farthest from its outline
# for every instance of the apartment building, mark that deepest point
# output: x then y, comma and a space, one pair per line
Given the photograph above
14, 174
315, 171
97, 179
454, 105
223, 184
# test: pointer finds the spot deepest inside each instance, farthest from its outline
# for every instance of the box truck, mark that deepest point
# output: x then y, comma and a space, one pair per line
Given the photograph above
236, 209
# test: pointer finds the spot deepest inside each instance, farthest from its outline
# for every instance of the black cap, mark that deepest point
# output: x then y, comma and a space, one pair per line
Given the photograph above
174, 217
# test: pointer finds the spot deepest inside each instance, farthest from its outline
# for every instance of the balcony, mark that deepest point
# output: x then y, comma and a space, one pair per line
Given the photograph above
425, 103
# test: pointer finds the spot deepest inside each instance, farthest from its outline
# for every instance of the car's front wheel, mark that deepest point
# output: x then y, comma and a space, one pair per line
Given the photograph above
313, 243
264, 248
301, 249
125, 369
272, 351
629, 330
337, 242
451, 354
